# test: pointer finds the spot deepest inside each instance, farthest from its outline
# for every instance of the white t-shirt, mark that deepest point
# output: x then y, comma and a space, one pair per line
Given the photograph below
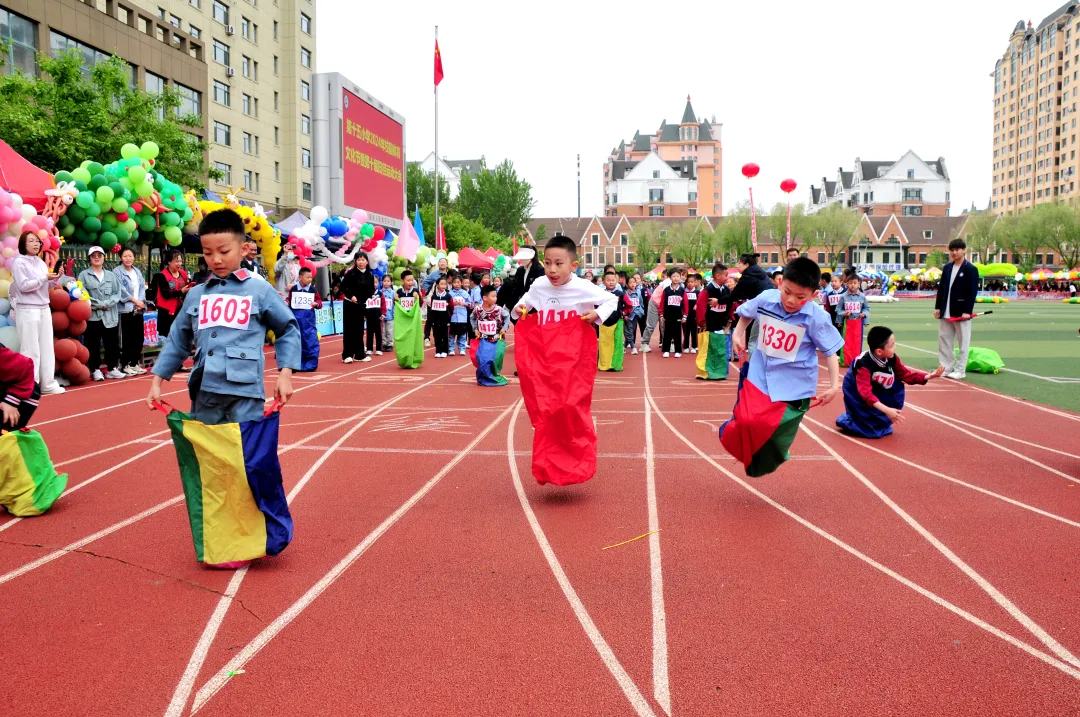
572, 299
952, 278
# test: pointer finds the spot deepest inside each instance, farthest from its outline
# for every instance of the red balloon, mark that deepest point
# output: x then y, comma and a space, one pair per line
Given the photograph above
788, 185
369, 245
136, 207
122, 217
72, 368
750, 170
379, 233
77, 328
64, 350
60, 322
82, 353
81, 377
117, 249
79, 310
59, 300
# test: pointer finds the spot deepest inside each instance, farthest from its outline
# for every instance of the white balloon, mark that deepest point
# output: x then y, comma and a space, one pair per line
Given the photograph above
319, 214
16, 200
28, 212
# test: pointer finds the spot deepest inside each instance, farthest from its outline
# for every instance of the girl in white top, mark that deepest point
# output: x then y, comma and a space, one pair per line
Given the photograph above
31, 281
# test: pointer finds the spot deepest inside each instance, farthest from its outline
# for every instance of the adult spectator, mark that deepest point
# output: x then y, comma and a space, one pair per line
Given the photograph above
954, 306
103, 328
528, 271
132, 304
250, 257
792, 253
752, 281
169, 288
652, 315
31, 280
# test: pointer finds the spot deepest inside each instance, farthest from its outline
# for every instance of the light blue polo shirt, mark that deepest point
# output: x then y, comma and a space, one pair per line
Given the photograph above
796, 379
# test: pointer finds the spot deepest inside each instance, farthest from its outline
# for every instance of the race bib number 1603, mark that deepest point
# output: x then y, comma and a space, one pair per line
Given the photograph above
778, 339
225, 310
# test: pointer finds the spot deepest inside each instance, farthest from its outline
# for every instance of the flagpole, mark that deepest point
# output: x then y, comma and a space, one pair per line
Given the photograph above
436, 146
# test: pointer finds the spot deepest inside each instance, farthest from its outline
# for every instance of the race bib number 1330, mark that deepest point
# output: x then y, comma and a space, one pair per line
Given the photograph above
779, 339
225, 310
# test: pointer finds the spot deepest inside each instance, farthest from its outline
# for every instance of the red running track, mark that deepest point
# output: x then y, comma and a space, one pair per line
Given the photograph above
931, 572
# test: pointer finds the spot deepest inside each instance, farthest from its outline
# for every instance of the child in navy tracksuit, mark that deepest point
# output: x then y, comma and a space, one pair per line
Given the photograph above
673, 308
388, 294
439, 311
459, 318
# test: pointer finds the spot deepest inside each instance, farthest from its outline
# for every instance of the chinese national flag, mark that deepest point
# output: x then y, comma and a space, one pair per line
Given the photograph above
438, 65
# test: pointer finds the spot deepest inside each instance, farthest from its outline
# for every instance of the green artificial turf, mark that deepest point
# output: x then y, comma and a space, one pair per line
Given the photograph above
1036, 337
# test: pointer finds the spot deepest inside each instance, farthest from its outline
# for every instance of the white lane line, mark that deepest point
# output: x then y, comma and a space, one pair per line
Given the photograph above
1005, 603
1000, 447
661, 688
999, 435
978, 622
221, 678
936, 474
633, 694
110, 449
1050, 379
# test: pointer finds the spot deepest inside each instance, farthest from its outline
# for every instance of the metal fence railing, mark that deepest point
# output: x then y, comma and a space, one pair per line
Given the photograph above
147, 260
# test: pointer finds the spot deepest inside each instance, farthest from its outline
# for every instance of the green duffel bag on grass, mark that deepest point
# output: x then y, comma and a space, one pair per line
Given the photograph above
983, 360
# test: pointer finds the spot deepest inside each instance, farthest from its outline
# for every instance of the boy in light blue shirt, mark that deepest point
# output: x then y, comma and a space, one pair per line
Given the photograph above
459, 319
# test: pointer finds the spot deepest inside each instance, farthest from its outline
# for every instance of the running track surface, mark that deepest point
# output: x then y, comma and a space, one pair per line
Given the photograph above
932, 572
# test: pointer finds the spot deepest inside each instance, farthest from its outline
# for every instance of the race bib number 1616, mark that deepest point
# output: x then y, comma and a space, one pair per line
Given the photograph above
225, 310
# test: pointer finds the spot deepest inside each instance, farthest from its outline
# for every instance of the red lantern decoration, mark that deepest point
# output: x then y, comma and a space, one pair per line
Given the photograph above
788, 185
750, 170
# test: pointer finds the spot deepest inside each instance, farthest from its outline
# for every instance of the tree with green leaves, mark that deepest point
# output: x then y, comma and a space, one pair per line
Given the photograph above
693, 244
62, 117
937, 258
734, 232
420, 189
1023, 234
979, 235
802, 227
645, 244
541, 234
498, 199
461, 232
834, 227
1061, 229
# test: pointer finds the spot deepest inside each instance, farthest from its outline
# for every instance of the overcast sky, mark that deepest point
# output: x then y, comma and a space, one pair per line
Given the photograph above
800, 87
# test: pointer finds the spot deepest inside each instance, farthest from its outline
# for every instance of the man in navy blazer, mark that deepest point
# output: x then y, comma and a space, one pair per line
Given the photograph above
956, 294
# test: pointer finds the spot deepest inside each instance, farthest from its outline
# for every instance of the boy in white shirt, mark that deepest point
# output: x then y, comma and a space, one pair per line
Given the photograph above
560, 294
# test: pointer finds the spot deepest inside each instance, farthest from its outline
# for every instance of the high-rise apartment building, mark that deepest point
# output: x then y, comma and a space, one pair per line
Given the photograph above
244, 66
260, 55
674, 172
1035, 105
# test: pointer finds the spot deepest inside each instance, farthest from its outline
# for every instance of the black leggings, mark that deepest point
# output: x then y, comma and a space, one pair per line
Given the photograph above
96, 335
373, 330
671, 336
131, 338
441, 330
352, 331
689, 332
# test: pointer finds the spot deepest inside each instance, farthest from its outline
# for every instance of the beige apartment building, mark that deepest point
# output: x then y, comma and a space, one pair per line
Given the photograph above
1035, 113
244, 66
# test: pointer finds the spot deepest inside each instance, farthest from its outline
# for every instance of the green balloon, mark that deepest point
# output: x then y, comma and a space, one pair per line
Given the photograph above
107, 240
93, 209
95, 168
116, 187
80, 185
159, 184
111, 176
137, 175
84, 199
173, 235
149, 150
135, 235
129, 151
80, 175
97, 182
86, 163
186, 216
92, 224
144, 190
67, 231
109, 220
119, 205
130, 225
80, 236
62, 176
75, 214
172, 219
105, 194
146, 222
127, 184
122, 234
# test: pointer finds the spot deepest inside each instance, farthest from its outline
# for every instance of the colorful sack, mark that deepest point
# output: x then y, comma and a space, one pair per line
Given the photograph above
408, 335
611, 351
760, 432
853, 339
712, 355
29, 484
232, 484
556, 363
983, 360
487, 357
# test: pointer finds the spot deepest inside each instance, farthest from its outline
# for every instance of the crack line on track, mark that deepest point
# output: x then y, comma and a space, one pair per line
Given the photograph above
221, 678
607, 655
1005, 603
936, 474
1051, 660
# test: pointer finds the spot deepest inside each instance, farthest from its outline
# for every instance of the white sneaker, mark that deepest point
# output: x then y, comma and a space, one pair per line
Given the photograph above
645, 349
130, 371
378, 353
365, 359
427, 343
347, 359
55, 390
97, 375
116, 373
62, 381
678, 355
957, 375
693, 351
633, 352
139, 370
666, 354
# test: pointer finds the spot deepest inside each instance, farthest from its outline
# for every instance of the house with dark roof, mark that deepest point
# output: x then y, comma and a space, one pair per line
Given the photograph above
691, 147
909, 186
450, 170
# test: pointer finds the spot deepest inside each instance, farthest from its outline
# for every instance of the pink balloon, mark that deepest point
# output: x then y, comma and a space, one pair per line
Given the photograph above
360, 216
5, 198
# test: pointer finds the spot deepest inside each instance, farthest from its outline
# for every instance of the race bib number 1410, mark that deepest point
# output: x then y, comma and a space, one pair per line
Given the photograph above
225, 310
779, 339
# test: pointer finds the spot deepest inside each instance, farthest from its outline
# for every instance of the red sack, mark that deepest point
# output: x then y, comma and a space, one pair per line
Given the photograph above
853, 339
556, 363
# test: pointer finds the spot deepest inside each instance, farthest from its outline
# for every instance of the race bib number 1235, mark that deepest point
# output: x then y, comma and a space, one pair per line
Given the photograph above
225, 310
302, 300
